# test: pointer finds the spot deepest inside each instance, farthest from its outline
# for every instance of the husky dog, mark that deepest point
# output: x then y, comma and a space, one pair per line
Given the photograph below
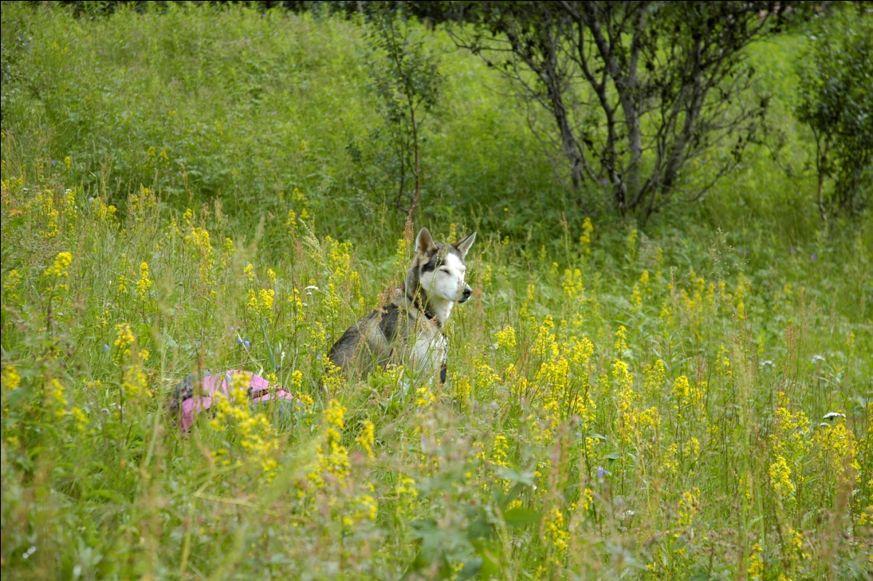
408, 329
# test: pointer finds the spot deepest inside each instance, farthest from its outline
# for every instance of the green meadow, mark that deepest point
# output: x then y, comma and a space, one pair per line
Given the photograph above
205, 189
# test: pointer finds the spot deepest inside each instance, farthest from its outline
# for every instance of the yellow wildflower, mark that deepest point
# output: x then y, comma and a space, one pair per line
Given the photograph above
405, 488
780, 479
134, 381
145, 282
837, 449
367, 438
572, 283
462, 389
424, 397
755, 570
686, 395
621, 340
365, 508
124, 339
556, 531
587, 235
689, 505
10, 378
57, 398
506, 338
60, 268
500, 450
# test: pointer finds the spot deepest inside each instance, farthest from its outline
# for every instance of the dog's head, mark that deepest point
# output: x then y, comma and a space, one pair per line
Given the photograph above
439, 269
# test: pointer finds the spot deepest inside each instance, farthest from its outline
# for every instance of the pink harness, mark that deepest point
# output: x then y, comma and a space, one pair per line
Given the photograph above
191, 403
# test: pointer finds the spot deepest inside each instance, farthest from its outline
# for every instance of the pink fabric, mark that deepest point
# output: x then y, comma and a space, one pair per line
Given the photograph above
259, 392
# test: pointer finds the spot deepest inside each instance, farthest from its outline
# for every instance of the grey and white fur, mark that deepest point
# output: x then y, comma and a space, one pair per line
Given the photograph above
408, 330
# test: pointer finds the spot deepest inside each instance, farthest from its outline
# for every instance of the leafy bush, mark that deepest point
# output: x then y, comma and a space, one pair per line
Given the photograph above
837, 81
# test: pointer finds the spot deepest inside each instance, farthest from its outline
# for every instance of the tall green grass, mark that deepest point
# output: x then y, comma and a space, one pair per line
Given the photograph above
620, 402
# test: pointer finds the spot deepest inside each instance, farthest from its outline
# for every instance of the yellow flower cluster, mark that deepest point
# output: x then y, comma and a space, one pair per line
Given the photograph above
296, 301
556, 532
261, 302
790, 444
10, 378
145, 282
198, 239
11, 282
739, 296
59, 271
364, 508
554, 373
795, 544
687, 397
333, 378
780, 479
484, 375
57, 399
463, 388
367, 438
837, 450
142, 205
654, 376
545, 343
581, 351
587, 235
49, 213
334, 460
505, 338
572, 283
640, 289
424, 397
586, 500
623, 381
291, 223
621, 340
789, 437
500, 450
101, 210
256, 434
687, 508
755, 570
124, 339
134, 382
405, 489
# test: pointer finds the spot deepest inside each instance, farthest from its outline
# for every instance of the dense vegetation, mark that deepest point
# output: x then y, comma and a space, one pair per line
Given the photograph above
215, 188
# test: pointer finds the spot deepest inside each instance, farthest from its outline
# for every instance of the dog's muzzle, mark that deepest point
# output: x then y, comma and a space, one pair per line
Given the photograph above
467, 293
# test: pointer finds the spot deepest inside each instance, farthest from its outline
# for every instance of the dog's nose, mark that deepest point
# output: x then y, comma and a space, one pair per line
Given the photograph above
467, 292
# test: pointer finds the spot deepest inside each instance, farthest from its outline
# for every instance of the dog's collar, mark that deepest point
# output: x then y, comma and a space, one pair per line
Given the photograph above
428, 314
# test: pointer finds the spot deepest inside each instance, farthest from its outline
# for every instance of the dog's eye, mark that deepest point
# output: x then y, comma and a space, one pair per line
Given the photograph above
445, 270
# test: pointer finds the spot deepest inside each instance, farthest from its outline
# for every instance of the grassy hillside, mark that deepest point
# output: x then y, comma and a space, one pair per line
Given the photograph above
202, 190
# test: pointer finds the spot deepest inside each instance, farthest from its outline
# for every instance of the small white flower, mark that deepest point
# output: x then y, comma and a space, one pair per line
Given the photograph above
767, 363
831, 416
817, 358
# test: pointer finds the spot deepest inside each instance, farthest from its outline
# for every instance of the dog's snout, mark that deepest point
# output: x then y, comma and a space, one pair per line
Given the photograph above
467, 292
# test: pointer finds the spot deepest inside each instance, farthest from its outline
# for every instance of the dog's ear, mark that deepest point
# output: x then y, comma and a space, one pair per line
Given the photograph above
464, 245
424, 243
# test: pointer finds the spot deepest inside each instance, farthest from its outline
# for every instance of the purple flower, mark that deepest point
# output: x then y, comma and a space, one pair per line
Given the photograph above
244, 342
602, 473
